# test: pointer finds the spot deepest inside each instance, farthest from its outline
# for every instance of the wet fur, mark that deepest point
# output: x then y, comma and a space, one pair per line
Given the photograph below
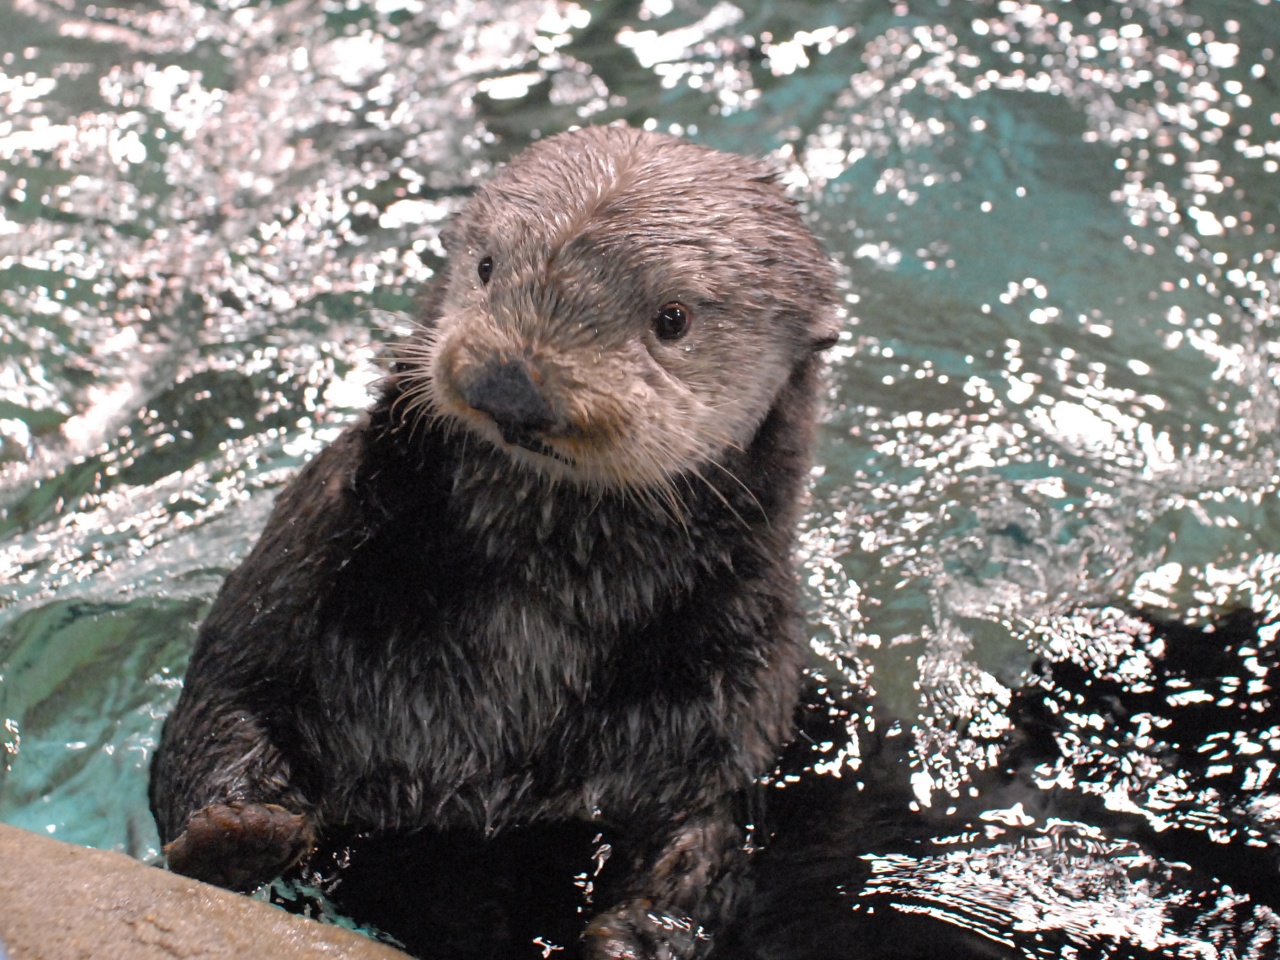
440, 630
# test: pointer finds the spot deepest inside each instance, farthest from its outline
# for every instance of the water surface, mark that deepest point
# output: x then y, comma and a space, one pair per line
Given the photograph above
1056, 390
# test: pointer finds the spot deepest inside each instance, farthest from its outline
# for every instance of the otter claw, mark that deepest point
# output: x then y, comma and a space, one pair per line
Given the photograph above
239, 845
637, 930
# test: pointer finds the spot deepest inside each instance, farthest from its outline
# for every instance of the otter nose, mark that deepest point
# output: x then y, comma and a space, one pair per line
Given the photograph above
505, 390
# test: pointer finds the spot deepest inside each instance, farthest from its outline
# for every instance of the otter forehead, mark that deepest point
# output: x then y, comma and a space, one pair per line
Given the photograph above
615, 189
599, 222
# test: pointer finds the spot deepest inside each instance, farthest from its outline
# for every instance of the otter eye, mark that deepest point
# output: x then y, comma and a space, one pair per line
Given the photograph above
485, 269
672, 321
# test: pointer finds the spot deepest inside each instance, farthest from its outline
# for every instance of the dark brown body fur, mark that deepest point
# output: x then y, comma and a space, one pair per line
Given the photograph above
437, 630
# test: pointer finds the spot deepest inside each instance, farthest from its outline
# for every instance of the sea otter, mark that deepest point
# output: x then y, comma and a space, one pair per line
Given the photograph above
549, 575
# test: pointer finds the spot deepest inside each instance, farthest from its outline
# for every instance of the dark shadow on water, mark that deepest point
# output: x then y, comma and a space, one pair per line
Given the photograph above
458, 895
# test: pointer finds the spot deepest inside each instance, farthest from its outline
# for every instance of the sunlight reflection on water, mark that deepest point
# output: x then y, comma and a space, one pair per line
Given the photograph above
1057, 386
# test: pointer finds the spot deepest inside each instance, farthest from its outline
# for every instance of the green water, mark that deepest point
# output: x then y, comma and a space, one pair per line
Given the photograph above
1056, 387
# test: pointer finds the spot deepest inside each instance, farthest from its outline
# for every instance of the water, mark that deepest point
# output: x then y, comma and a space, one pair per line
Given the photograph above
1056, 391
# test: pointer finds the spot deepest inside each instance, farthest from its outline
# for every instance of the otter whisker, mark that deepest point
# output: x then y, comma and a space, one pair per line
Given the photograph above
745, 489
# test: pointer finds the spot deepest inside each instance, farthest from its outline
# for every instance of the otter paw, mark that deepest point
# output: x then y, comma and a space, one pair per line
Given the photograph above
239, 845
639, 930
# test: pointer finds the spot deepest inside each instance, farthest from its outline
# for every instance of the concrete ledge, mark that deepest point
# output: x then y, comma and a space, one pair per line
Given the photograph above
62, 902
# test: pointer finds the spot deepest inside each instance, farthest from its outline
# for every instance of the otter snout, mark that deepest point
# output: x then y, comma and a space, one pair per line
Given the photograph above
504, 389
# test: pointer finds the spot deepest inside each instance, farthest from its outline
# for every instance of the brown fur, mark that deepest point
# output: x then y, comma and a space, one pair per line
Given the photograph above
549, 577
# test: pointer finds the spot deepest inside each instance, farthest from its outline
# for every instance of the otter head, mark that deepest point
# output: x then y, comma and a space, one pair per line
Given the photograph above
621, 307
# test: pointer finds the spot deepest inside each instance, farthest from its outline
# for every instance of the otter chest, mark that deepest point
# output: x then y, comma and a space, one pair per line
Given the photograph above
465, 725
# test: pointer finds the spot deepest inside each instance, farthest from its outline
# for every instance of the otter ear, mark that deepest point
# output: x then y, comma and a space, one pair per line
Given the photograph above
826, 332
817, 346
451, 235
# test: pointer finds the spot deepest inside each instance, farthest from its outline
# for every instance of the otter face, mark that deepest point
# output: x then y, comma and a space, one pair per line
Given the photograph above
622, 307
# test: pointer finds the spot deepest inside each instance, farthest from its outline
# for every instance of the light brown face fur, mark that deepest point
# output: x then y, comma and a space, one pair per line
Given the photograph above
587, 237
